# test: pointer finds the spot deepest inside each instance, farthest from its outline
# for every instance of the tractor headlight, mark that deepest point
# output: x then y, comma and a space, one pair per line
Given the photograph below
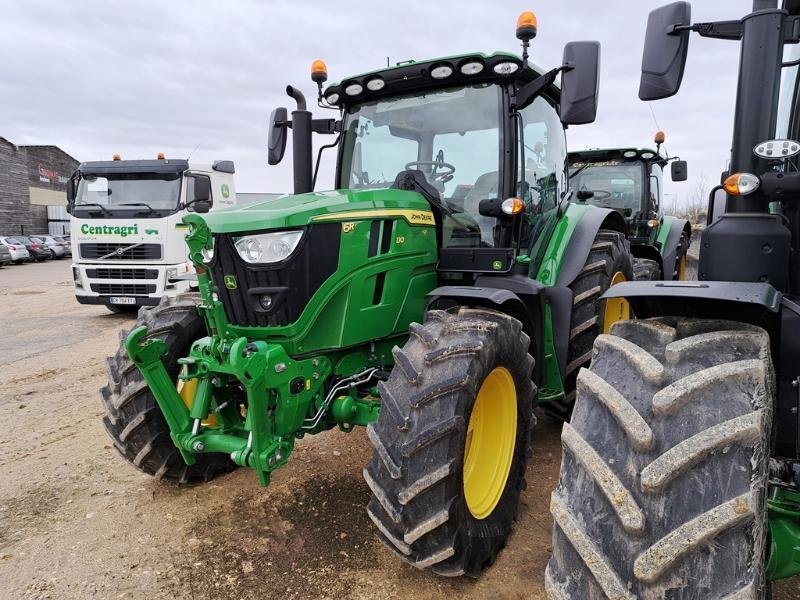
265, 248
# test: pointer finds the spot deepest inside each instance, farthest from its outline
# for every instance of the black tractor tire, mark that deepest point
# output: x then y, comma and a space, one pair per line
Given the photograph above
122, 309
610, 254
418, 504
682, 257
645, 269
133, 419
662, 490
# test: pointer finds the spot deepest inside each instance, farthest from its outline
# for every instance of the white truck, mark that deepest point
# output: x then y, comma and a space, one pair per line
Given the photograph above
126, 229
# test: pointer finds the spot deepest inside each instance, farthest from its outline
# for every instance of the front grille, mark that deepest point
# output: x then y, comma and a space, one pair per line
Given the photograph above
122, 251
122, 273
124, 289
290, 283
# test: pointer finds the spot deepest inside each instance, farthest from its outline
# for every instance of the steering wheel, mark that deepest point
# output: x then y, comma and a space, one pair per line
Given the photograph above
443, 177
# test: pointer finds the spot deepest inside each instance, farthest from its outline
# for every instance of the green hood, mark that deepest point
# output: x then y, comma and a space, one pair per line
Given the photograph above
300, 210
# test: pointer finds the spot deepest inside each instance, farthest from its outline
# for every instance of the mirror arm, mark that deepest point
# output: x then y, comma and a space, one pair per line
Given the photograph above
526, 94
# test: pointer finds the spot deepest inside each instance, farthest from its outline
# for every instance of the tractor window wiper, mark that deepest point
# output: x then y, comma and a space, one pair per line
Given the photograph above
579, 169
149, 208
102, 208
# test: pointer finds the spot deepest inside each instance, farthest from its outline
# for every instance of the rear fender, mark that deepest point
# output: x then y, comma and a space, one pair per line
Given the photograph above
669, 237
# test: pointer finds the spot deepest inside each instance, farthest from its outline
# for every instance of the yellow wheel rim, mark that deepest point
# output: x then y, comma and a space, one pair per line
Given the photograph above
186, 390
682, 269
617, 309
489, 449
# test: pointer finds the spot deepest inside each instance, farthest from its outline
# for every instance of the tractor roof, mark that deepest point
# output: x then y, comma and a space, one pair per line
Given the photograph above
606, 154
409, 76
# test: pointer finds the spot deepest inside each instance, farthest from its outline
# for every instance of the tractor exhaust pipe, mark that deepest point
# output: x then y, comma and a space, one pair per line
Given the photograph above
301, 143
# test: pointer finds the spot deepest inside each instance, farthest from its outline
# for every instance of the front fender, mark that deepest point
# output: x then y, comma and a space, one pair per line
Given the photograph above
669, 237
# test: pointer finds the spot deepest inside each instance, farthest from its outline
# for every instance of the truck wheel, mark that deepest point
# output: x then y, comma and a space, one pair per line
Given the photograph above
133, 419
609, 262
662, 491
452, 441
646, 270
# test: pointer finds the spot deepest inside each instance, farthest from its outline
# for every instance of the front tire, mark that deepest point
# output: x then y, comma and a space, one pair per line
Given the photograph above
452, 441
662, 491
133, 419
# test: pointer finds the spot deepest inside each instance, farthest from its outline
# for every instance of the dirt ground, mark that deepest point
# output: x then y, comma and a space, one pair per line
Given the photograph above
78, 522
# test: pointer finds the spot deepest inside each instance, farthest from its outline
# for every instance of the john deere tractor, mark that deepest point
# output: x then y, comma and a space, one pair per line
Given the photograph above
434, 296
631, 181
681, 470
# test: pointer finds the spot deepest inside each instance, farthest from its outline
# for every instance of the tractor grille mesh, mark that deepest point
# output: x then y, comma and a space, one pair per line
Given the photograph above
290, 284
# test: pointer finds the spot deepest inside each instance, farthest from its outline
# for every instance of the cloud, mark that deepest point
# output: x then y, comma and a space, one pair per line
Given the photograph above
99, 77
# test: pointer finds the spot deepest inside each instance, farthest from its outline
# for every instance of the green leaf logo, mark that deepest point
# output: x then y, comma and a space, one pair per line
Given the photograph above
230, 282
225, 190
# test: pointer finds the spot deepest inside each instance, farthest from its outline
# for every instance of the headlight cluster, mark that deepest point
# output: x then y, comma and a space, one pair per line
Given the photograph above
266, 248
398, 78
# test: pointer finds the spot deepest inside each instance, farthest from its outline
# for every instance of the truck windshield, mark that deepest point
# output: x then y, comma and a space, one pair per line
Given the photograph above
452, 136
616, 184
129, 192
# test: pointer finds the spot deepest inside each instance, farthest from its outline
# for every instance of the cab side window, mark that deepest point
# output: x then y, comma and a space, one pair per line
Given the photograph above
542, 154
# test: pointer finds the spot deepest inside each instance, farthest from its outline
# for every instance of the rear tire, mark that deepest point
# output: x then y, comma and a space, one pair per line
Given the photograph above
610, 254
645, 269
420, 503
133, 419
662, 490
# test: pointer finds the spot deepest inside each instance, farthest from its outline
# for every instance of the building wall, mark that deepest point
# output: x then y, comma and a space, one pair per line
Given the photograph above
31, 178
16, 214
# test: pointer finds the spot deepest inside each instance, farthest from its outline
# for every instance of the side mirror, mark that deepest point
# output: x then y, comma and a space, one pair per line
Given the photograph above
584, 195
202, 190
579, 82
71, 185
200, 206
664, 55
678, 170
276, 139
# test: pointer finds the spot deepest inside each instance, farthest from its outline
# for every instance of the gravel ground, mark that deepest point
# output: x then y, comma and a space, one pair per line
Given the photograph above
78, 522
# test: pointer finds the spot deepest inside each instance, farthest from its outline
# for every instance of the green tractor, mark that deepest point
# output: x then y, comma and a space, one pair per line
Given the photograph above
434, 296
631, 181
681, 470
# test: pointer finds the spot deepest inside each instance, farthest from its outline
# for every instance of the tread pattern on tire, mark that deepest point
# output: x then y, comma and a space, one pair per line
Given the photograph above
415, 474
693, 459
609, 254
133, 419
645, 269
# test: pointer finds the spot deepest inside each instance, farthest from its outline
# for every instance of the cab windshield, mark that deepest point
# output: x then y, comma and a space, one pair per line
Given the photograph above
452, 136
112, 194
614, 184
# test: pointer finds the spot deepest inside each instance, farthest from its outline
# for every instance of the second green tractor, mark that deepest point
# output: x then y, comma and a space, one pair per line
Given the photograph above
443, 288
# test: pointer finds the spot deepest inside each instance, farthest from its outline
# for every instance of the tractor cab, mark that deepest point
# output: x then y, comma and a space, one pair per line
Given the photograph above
628, 180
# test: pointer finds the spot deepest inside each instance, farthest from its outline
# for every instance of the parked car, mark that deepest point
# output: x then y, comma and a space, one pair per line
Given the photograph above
36, 248
5, 255
59, 247
19, 254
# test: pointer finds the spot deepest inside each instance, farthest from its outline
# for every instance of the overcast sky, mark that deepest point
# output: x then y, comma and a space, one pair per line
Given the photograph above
99, 77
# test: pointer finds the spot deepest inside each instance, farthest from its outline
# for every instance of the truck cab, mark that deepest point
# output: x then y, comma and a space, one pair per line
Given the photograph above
127, 229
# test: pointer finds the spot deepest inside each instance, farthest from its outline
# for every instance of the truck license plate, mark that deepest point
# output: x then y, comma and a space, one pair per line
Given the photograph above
121, 300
